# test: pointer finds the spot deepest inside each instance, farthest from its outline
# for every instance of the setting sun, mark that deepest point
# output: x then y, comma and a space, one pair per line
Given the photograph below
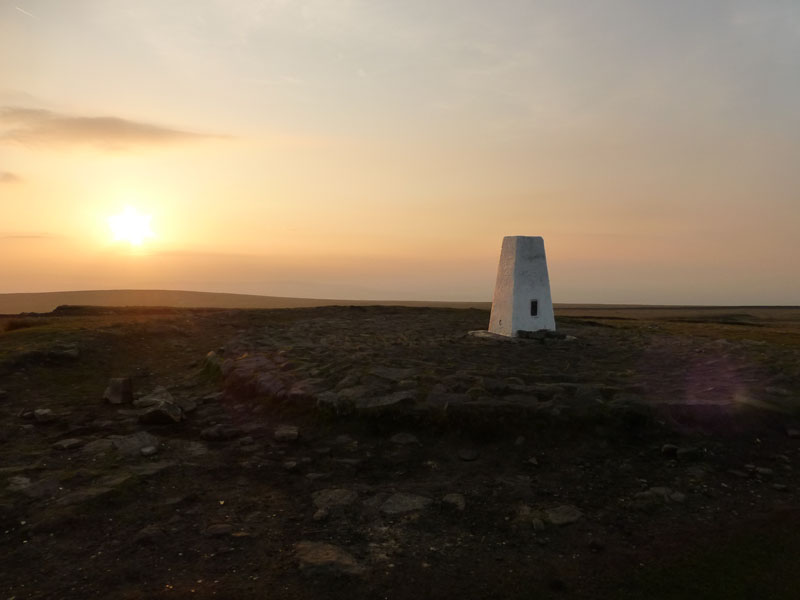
130, 226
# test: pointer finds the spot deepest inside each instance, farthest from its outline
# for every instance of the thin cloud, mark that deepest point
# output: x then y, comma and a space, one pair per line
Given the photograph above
23, 235
9, 178
33, 125
25, 12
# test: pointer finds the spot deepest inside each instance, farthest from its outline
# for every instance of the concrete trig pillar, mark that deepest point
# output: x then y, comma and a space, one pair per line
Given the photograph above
522, 299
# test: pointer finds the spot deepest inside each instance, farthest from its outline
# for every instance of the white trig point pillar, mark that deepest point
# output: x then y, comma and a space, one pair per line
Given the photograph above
522, 293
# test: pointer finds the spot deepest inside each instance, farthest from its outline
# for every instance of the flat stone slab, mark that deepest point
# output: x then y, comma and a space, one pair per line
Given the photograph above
563, 515
333, 497
402, 503
322, 558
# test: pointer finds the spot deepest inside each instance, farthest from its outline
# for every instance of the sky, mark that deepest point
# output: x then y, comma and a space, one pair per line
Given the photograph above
375, 149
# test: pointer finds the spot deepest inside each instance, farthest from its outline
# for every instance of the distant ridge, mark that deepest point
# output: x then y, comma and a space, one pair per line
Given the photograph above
41, 302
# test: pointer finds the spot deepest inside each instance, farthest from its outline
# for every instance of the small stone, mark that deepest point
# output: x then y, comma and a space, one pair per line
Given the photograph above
322, 558
44, 415
793, 433
333, 497
132, 444
669, 450
402, 503
154, 398
163, 413
246, 440
148, 451
764, 471
219, 530
286, 433
563, 515
119, 391
468, 454
17, 483
148, 535
68, 444
519, 441
321, 514
533, 461
780, 487
455, 500
3, 395
290, 465
404, 439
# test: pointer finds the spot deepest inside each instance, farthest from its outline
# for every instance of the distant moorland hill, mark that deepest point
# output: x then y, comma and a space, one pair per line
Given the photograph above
11, 304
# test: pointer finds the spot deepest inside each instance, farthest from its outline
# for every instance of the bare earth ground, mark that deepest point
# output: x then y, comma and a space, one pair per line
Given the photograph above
650, 454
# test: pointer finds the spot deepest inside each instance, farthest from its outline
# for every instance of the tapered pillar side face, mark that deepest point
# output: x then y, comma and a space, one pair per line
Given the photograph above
522, 300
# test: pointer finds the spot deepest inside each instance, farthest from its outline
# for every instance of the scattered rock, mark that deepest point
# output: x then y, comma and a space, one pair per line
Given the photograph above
119, 391
402, 503
17, 483
333, 497
218, 530
44, 415
220, 433
163, 413
468, 454
404, 439
397, 399
148, 451
154, 398
563, 515
780, 487
393, 374
68, 444
319, 558
188, 405
132, 444
669, 450
764, 471
455, 501
148, 535
321, 514
3, 395
286, 433
97, 446
793, 433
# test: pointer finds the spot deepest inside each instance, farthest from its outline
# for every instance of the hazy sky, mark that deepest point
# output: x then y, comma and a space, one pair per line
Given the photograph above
379, 149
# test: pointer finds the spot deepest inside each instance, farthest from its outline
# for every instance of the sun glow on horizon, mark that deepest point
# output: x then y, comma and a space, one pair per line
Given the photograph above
130, 226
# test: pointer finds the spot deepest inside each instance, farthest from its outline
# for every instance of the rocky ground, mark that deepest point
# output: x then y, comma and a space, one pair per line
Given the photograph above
386, 452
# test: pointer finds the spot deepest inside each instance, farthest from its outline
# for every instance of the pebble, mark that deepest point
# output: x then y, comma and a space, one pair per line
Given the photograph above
332, 497
468, 454
669, 450
148, 451
793, 433
563, 515
286, 433
219, 530
402, 503
68, 444
44, 415
404, 439
317, 558
456, 501
119, 391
